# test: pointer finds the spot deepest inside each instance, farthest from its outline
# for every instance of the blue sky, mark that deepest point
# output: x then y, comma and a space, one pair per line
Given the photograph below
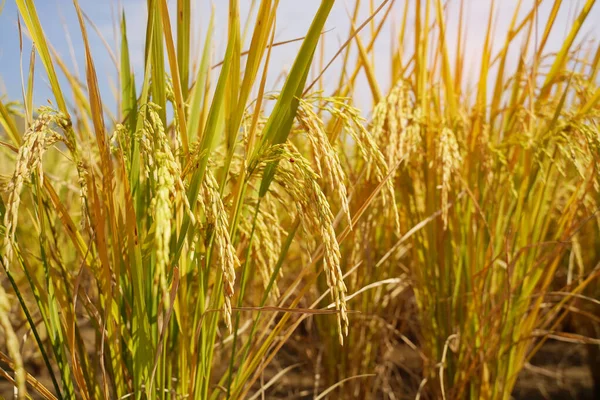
61, 27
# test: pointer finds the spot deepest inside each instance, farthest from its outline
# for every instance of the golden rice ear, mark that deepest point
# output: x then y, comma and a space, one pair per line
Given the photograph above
267, 244
37, 139
299, 181
268, 235
216, 215
168, 189
450, 159
326, 158
353, 123
401, 136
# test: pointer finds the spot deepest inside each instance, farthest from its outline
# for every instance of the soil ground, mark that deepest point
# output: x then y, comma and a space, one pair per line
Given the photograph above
559, 371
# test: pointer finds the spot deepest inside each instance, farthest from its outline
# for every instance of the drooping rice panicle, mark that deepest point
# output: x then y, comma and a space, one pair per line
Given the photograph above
353, 122
326, 158
450, 160
169, 191
155, 143
299, 181
396, 124
162, 213
216, 215
267, 242
493, 176
38, 138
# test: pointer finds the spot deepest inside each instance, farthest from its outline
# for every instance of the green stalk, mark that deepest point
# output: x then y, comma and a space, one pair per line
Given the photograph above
241, 297
34, 330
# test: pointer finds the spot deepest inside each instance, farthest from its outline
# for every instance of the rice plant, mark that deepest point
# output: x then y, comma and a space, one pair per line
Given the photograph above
172, 248
497, 181
154, 237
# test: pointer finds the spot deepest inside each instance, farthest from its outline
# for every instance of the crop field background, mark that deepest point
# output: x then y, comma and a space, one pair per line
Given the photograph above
276, 199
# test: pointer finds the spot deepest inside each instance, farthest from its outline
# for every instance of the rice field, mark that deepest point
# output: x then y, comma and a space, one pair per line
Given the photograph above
223, 229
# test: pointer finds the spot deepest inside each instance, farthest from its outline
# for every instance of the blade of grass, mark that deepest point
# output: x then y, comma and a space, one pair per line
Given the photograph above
177, 87
127, 82
184, 13
197, 93
30, 17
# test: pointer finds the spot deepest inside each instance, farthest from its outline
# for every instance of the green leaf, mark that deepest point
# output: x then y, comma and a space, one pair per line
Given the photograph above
280, 121
128, 96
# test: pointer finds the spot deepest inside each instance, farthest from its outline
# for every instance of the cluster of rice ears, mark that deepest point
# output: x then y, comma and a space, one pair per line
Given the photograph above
193, 243
496, 187
148, 230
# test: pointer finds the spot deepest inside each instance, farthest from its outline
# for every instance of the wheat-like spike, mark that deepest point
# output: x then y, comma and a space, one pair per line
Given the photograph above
154, 142
353, 123
162, 145
268, 235
326, 158
122, 138
263, 251
378, 120
163, 213
37, 139
82, 181
450, 159
156, 150
270, 214
216, 215
162, 167
144, 136
300, 182
410, 137
267, 246
401, 136
395, 118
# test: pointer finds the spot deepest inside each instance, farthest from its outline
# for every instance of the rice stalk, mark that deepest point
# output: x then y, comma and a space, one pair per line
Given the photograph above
12, 344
